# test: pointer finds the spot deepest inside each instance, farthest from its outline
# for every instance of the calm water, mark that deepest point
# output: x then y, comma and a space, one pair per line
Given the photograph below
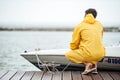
15, 42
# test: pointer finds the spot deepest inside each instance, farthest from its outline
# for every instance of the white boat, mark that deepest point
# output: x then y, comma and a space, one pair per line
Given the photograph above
57, 59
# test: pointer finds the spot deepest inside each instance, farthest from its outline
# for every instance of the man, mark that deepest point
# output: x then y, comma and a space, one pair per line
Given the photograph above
86, 45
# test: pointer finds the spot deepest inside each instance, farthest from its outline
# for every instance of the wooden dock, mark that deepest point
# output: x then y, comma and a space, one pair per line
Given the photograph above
66, 75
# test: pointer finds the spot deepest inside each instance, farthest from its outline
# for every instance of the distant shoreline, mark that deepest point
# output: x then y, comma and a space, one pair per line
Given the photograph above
36, 29
106, 29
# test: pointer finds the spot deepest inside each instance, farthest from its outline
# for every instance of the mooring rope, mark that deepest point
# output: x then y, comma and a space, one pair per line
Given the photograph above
66, 67
40, 61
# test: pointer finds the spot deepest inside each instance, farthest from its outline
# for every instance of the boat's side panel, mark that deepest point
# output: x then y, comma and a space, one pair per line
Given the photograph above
111, 60
107, 62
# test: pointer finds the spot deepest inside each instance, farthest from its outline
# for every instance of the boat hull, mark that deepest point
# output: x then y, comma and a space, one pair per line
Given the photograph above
57, 57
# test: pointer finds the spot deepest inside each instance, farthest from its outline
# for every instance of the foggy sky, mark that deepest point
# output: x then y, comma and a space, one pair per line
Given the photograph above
57, 11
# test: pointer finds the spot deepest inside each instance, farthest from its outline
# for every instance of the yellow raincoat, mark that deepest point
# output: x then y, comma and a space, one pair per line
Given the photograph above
86, 45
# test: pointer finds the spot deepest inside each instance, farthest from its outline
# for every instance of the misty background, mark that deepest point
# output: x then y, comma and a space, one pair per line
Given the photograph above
56, 13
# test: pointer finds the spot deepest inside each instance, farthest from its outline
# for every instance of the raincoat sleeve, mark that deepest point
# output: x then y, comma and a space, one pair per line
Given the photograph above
75, 39
101, 28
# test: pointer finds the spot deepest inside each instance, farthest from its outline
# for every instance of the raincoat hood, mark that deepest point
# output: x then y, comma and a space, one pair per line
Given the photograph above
89, 18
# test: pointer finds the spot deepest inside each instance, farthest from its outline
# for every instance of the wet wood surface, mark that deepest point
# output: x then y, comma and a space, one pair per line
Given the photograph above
66, 75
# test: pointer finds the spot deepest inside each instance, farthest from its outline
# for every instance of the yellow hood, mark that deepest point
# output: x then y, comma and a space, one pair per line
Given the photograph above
89, 19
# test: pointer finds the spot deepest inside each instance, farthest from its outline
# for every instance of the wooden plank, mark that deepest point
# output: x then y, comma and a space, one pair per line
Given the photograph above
2, 73
119, 72
9, 75
96, 77
37, 76
105, 75
47, 76
76, 75
115, 75
28, 75
87, 77
57, 76
67, 75
18, 75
